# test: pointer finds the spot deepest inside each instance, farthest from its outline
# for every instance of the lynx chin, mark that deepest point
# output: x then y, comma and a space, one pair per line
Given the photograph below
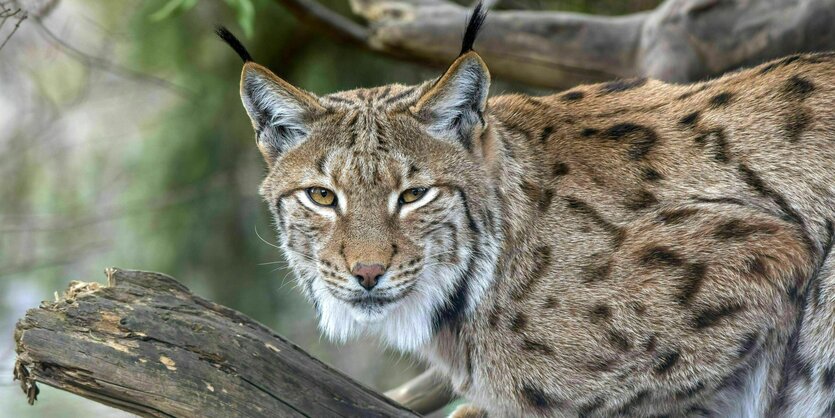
632, 248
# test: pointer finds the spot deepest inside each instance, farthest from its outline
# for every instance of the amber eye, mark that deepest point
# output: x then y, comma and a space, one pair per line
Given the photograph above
321, 196
412, 195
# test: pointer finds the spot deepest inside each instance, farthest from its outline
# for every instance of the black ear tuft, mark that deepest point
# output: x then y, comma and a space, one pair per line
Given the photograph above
234, 43
473, 26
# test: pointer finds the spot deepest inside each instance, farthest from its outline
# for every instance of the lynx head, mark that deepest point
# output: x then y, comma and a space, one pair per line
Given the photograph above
379, 196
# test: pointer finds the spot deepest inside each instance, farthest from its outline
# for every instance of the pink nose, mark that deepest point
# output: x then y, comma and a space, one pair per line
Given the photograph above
368, 274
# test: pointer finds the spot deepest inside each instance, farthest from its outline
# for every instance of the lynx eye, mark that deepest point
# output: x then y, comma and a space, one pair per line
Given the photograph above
321, 196
412, 195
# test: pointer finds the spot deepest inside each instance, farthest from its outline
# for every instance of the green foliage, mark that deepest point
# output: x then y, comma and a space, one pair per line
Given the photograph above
244, 8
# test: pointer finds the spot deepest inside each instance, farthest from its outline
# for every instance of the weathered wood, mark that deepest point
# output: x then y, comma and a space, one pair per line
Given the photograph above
679, 41
145, 344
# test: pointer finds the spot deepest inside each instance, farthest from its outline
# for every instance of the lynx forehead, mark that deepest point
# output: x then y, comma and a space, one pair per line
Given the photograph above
631, 248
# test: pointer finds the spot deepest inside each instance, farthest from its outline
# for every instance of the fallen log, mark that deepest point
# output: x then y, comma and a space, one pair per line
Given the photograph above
145, 344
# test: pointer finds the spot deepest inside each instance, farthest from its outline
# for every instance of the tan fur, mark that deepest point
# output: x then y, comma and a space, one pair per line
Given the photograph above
660, 249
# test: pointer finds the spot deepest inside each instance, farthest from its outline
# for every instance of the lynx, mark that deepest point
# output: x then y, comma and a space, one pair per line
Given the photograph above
632, 248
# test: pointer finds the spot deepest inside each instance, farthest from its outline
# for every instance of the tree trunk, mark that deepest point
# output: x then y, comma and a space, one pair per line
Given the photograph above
145, 344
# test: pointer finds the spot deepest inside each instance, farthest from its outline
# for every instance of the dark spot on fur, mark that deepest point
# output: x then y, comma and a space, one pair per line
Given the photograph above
451, 312
694, 275
749, 344
753, 180
545, 200
537, 398
736, 229
693, 92
618, 339
530, 345
632, 403
320, 164
596, 271
650, 174
665, 361
600, 365
717, 142
721, 99
699, 411
641, 138
587, 132
690, 119
541, 263
798, 88
493, 318
796, 124
572, 96
659, 255
542, 198
828, 377
531, 190
779, 63
690, 391
589, 211
794, 293
622, 85
546, 133
830, 410
735, 380
755, 266
638, 307
642, 200
649, 344
709, 317
519, 322
550, 302
675, 216
600, 313
560, 169
591, 407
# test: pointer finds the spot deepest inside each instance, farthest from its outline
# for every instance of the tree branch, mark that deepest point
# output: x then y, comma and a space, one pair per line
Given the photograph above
104, 64
327, 21
5, 15
145, 344
679, 41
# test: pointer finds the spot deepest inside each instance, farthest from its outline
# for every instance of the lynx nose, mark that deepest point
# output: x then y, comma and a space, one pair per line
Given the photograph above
368, 274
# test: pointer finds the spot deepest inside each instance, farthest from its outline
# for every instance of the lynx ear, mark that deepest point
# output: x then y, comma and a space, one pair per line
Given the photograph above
280, 113
454, 106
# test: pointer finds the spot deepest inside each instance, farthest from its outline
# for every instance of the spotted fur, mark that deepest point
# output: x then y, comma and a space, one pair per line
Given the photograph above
627, 249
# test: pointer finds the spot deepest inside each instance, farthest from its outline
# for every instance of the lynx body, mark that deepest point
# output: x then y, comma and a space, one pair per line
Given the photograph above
631, 248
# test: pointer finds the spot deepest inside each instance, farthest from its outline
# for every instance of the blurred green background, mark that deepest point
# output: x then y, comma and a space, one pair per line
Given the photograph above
123, 142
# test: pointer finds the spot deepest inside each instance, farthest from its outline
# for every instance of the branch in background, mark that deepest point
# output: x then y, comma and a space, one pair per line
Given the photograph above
106, 65
5, 15
326, 21
679, 41
145, 344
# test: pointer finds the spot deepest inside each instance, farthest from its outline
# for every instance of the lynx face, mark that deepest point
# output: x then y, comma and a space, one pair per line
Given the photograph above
379, 198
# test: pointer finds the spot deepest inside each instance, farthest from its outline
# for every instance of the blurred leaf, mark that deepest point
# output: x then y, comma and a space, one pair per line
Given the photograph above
169, 8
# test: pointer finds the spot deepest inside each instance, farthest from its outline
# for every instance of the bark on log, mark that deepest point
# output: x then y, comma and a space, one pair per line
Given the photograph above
145, 344
679, 41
